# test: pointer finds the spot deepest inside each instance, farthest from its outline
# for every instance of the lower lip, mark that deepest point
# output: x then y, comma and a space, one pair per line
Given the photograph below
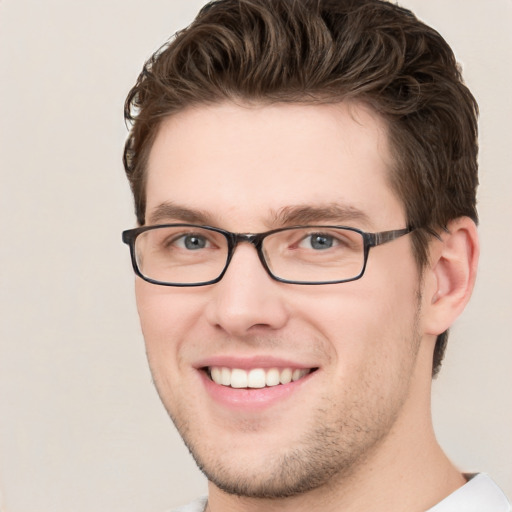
252, 399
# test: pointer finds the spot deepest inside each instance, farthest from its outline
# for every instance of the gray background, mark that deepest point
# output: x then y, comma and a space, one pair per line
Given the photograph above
81, 428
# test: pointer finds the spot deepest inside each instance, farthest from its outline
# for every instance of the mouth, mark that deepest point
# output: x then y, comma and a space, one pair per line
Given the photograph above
255, 378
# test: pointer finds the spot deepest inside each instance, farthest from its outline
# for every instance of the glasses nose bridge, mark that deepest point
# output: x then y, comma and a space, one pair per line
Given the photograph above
254, 239
251, 238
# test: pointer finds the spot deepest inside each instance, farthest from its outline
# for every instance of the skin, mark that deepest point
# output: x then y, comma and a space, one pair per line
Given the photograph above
356, 434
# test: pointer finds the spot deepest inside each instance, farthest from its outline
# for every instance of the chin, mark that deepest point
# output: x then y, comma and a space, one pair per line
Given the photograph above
271, 473
283, 478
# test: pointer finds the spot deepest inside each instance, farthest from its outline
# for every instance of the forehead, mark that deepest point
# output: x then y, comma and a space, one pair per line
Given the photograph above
249, 163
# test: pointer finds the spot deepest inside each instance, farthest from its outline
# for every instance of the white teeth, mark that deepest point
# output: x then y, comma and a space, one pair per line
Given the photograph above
239, 378
272, 377
216, 374
255, 378
298, 374
286, 376
225, 377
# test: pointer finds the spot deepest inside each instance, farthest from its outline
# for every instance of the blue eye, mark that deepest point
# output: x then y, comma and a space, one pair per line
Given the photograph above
318, 241
321, 241
192, 242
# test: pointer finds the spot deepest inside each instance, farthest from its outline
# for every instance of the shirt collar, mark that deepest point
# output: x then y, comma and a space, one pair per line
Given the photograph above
478, 494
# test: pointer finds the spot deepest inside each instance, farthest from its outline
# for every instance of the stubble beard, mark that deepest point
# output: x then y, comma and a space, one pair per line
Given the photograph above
321, 459
328, 453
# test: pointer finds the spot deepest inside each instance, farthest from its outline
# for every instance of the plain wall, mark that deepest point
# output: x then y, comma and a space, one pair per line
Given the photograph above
81, 427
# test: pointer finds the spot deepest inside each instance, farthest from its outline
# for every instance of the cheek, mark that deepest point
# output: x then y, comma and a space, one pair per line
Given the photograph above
375, 344
368, 326
169, 321
360, 315
166, 316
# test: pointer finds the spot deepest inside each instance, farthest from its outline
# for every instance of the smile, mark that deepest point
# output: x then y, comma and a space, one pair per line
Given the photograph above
255, 378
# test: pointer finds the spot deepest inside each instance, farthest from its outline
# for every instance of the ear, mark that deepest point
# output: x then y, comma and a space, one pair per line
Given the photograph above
450, 276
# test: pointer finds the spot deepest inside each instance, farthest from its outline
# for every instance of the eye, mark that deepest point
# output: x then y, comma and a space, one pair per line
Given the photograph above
191, 242
318, 241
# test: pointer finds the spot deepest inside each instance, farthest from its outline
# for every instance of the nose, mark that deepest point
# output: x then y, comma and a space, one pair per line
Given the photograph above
247, 300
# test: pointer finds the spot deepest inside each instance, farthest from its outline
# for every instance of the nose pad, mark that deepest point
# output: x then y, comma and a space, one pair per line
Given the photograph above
247, 298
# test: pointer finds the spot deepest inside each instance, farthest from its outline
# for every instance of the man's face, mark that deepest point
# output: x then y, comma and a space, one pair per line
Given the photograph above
251, 169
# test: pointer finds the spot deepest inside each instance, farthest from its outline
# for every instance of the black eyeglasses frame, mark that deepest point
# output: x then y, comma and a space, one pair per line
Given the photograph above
370, 240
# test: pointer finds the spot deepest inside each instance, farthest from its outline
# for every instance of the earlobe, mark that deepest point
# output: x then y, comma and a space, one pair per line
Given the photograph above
451, 274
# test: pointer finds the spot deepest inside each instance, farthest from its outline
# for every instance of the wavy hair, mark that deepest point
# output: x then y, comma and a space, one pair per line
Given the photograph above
326, 51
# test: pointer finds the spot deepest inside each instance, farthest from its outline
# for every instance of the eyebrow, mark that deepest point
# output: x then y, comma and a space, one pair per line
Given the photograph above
307, 214
167, 211
287, 216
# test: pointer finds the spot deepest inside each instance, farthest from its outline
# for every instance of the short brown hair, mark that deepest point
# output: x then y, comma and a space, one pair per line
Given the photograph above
326, 51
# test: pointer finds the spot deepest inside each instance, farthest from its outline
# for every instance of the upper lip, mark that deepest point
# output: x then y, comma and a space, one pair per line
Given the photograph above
248, 363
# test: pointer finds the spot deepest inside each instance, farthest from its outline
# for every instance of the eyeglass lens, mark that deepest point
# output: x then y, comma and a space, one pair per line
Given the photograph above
188, 255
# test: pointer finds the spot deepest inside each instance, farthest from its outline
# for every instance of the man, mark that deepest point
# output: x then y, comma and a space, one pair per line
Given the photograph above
304, 175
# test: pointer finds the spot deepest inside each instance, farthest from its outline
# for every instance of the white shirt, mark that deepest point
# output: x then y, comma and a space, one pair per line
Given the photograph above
480, 494
196, 506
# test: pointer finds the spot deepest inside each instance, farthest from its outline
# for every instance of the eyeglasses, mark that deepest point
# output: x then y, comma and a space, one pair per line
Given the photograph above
191, 255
